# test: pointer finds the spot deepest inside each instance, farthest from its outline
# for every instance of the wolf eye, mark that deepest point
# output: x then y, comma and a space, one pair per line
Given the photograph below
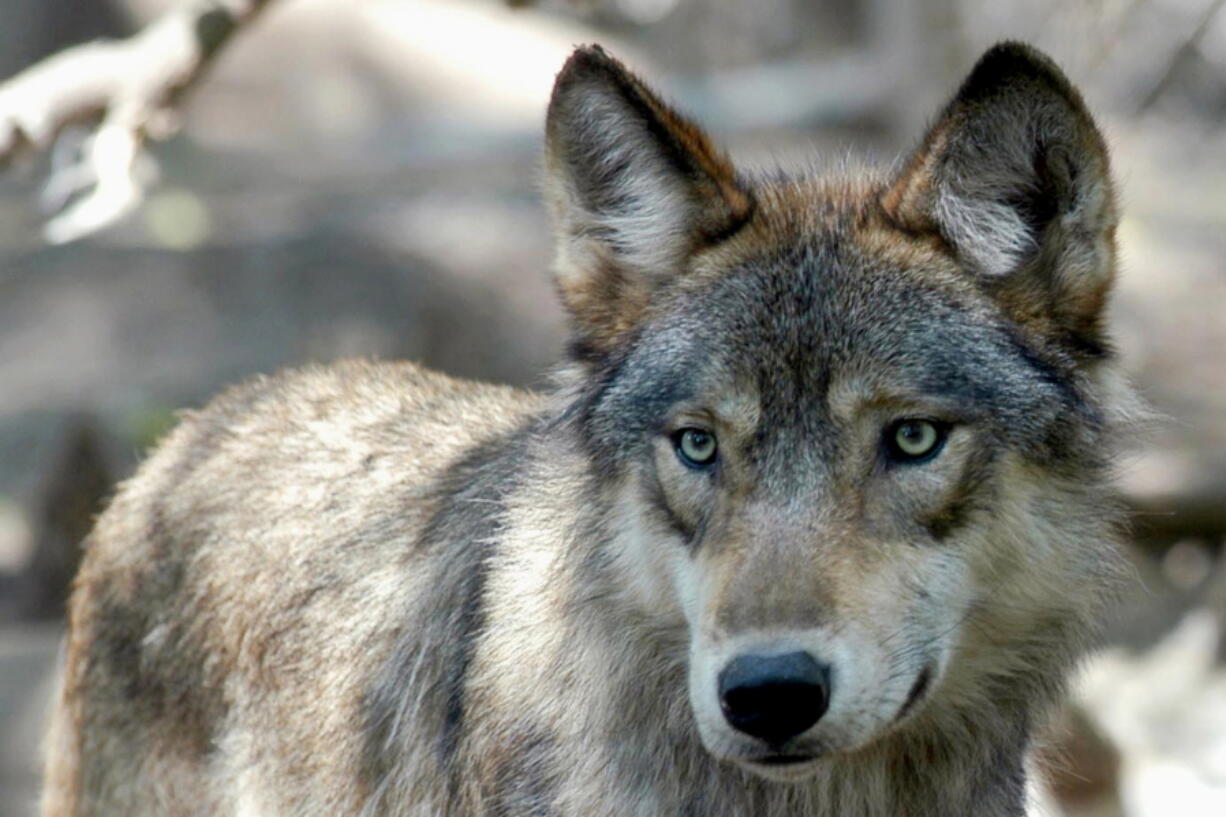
695, 447
915, 440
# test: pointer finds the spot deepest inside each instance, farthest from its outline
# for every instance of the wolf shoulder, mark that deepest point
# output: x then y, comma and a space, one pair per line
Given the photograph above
306, 464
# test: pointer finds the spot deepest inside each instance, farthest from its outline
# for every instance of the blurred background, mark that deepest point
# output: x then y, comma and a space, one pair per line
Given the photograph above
360, 178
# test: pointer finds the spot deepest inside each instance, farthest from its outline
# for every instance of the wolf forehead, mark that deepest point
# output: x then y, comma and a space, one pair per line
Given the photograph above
818, 296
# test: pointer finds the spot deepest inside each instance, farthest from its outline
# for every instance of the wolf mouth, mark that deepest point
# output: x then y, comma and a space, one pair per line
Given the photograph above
784, 760
790, 768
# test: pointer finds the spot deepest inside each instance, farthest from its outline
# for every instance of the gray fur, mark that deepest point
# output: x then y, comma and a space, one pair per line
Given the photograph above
369, 589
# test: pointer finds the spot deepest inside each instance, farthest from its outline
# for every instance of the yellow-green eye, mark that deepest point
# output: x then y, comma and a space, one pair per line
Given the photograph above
695, 447
914, 440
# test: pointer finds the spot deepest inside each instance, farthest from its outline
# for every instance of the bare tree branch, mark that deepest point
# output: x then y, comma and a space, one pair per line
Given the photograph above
129, 89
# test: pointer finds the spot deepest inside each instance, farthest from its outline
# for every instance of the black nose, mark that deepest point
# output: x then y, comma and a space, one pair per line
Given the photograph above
774, 697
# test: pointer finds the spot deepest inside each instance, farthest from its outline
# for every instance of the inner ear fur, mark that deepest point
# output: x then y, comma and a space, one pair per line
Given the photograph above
1014, 178
634, 188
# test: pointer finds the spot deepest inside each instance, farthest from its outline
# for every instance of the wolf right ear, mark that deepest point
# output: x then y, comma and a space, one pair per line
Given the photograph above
634, 188
1014, 178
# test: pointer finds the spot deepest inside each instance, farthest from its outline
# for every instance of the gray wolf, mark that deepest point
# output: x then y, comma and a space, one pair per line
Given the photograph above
813, 522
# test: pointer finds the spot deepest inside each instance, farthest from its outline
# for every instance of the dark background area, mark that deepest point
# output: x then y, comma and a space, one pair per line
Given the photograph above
361, 179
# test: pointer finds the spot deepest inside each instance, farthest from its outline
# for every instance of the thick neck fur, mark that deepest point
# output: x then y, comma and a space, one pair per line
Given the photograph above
599, 723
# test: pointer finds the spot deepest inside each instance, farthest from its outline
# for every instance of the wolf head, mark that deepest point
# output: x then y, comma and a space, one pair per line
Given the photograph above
855, 429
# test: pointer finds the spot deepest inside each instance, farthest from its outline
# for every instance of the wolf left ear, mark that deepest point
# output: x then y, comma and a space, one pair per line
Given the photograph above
1014, 178
635, 189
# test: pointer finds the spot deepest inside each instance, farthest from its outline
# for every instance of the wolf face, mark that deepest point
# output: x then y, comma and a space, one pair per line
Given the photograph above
853, 429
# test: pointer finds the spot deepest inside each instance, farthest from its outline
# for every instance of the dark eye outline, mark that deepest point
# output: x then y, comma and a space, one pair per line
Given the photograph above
689, 462
895, 454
